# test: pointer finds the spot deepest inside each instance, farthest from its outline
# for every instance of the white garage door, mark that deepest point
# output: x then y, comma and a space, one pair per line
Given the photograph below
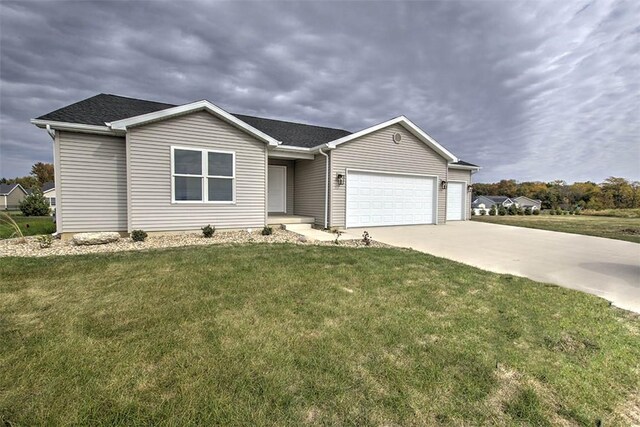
455, 201
389, 199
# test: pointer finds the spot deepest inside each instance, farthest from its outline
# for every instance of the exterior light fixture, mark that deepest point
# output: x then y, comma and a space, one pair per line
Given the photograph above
443, 185
340, 179
470, 188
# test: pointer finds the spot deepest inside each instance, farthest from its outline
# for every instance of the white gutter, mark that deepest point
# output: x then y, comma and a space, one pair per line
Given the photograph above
326, 186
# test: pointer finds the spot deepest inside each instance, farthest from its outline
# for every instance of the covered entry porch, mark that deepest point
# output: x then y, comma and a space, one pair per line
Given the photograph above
295, 190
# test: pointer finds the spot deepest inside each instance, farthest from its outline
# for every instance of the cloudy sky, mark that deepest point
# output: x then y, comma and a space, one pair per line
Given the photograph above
538, 90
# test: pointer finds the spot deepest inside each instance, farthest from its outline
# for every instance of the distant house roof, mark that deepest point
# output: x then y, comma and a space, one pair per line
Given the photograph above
497, 199
48, 186
105, 108
5, 189
521, 199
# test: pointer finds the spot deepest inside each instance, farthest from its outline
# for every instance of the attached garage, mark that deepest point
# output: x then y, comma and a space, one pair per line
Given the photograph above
378, 199
456, 197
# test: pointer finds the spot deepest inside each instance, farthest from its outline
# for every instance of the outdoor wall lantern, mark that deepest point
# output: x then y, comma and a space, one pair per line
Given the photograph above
470, 188
340, 179
443, 185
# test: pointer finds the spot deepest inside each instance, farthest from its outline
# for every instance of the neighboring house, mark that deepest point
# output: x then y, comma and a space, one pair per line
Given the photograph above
123, 164
11, 195
485, 203
49, 193
525, 202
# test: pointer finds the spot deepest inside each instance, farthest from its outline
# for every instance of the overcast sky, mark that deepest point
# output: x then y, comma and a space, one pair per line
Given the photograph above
533, 91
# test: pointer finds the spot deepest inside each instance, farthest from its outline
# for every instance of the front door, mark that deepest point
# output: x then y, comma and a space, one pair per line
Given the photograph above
277, 193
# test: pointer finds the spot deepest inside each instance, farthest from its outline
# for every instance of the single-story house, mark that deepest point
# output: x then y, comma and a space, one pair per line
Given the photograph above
123, 164
49, 193
11, 195
525, 202
484, 203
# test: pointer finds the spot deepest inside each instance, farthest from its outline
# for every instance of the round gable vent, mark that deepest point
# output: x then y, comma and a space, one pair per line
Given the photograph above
397, 137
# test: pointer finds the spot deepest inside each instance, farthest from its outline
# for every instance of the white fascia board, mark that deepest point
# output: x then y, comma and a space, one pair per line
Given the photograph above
407, 124
73, 127
464, 167
122, 125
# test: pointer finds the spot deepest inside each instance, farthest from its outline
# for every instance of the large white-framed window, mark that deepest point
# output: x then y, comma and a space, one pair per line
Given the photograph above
202, 176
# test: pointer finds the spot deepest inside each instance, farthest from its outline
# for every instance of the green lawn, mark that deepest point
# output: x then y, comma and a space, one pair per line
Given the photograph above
304, 335
600, 226
30, 225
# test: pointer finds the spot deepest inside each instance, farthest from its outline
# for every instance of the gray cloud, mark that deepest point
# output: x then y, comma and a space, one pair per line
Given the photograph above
533, 90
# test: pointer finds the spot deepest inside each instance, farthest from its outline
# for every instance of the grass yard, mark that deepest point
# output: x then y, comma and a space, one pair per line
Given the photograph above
600, 226
293, 335
30, 225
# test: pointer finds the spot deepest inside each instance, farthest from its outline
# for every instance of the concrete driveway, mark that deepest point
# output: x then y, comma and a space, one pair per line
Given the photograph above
604, 267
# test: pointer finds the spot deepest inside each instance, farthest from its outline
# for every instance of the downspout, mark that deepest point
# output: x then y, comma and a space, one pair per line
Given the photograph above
51, 132
326, 186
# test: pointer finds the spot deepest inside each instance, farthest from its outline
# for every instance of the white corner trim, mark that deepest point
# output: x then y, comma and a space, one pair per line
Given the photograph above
192, 107
75, 127
407, 124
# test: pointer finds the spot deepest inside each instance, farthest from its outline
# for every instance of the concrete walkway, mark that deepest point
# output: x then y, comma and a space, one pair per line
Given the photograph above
604, 267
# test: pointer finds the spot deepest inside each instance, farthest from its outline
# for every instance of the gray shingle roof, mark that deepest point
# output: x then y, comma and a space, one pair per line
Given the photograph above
108, 108
48, 186
463, 163
6, 188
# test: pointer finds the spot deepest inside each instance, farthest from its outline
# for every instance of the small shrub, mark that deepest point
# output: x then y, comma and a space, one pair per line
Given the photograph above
45, 241
483, 212
267, 231
138, 235
552, 212
520, 211
512, 210
535, 212
338, 233
558, 211
527, 211
502, 211
473, 212
34, 204
366, 238
492, 211
208, 230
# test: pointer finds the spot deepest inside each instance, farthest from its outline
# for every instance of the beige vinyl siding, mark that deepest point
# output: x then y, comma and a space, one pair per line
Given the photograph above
150, 203
463, 175
91, 182
14, 198
290, 164
309, 188
377, 152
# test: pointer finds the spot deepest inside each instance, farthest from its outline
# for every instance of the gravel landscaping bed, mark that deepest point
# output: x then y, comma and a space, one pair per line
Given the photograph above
13, 247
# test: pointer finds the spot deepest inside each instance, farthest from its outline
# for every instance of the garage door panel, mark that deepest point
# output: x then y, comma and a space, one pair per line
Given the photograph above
389, 199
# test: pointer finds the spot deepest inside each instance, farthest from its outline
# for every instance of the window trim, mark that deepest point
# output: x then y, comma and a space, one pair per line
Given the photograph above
204, 176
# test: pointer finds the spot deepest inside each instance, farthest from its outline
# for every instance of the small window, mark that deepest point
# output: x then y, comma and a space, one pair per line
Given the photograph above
52, 201
203, 176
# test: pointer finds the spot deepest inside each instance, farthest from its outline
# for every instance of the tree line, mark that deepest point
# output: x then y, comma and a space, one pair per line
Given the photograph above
612, 193
40, 174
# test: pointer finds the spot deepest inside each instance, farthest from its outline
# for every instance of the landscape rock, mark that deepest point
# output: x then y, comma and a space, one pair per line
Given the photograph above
88, 239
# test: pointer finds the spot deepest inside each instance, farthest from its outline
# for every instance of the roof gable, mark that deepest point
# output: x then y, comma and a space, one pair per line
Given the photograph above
407, 124
203, 105
6, 189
